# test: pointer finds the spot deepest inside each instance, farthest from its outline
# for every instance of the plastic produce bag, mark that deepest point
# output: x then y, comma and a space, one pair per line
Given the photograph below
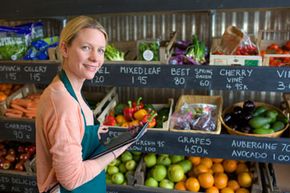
13, 42
36, 29
195, 117
39, 48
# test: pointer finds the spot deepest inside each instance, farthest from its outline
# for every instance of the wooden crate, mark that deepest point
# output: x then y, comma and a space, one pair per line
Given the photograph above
114, 101
20, 93
236, 60
195, 99
268, 37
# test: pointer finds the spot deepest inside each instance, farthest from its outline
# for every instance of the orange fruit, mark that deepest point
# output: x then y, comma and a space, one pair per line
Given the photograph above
220, 180
206, 161
206, 180
200, 169
212, 189
233, 184
227, 190
194, 160
242, 167
180, 186
245, 179
192, 184
230, 165
217, 168
242, 190
217, 160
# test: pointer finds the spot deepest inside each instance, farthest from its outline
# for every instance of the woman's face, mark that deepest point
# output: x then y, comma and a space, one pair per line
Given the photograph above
85, 56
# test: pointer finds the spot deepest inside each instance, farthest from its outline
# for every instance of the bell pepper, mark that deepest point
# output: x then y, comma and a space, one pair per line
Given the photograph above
129, 112
140, 114
120, 119
150, 118
138, 105
119, 108
110, 120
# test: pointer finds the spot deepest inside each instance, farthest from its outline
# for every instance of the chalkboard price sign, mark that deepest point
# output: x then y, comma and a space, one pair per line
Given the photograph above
20, 130
18, 183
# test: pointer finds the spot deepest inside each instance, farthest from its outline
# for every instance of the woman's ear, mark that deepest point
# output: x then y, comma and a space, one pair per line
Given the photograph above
63, 49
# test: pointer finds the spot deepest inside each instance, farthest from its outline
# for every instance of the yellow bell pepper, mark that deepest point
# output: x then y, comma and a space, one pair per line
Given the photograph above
138, 115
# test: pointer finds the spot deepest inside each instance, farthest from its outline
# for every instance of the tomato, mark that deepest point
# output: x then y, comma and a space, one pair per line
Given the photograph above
262, 53
273, 47
287, 45
279, 51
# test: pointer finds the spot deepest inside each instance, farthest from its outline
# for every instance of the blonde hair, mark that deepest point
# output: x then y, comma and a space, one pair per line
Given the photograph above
75, 25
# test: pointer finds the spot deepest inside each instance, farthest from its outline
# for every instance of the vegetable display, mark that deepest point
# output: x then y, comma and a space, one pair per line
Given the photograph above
255, 119
136, 113
189, 52
113, 54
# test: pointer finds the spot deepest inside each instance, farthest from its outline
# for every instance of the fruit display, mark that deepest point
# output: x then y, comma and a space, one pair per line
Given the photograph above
137, 113
13, 156
255, 118
7, 89
121, 170
198, 174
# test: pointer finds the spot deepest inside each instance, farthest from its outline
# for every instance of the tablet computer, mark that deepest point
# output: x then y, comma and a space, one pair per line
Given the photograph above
126, 137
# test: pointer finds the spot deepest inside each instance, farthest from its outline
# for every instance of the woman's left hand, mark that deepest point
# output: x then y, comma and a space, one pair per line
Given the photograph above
102, 129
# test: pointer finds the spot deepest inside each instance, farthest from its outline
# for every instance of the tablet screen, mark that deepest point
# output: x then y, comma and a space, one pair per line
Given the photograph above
124, 138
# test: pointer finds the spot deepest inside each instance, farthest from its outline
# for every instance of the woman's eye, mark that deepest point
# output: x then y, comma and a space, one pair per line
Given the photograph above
86, 48
101, 50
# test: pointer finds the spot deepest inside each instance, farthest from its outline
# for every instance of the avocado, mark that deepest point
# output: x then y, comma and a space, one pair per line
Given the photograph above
259, 122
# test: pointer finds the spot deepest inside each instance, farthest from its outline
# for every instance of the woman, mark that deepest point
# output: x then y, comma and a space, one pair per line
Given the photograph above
66, 135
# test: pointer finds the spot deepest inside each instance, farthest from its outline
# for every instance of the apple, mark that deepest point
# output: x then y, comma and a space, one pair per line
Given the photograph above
175, 173
131, 165
151, 182
136, 153
122, 168
115, 162
176, 158
163, 159
150, 160
112, 170
186, 165
126, 156
118, 178
137, 158
108, 179
165, 183
159, 172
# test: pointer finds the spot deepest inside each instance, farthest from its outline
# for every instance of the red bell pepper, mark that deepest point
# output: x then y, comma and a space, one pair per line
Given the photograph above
138, 105
129, 112
110, 120
150, 118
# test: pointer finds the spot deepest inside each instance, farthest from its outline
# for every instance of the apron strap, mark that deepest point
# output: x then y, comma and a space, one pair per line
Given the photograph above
63, 77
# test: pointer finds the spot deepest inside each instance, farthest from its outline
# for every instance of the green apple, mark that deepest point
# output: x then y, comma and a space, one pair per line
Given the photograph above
130, 165
126, 156
186, 165
122, 168
112, 170
175, 173
118, 178
115, 162
159, 172
151, 182
176, 158
150, 160
108, 179
136, 153
165, 183
163, 159
137, 158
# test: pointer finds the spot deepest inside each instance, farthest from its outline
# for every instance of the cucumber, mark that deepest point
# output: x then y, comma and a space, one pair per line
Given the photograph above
263, 131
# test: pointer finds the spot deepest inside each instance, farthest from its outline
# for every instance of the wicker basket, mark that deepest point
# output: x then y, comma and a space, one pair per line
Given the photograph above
191, 99
234, 132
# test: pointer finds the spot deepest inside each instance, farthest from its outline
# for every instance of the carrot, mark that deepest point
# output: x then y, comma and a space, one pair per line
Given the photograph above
18, 107
12, 115
21, 102
15, 111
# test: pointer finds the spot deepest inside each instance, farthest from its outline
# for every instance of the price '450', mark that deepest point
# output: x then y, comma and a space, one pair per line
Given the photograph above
195, 149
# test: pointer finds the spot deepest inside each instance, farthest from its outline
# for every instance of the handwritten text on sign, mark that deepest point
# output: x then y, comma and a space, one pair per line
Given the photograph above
283, 83
235, 78
140, 75
195, 145
21, 184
